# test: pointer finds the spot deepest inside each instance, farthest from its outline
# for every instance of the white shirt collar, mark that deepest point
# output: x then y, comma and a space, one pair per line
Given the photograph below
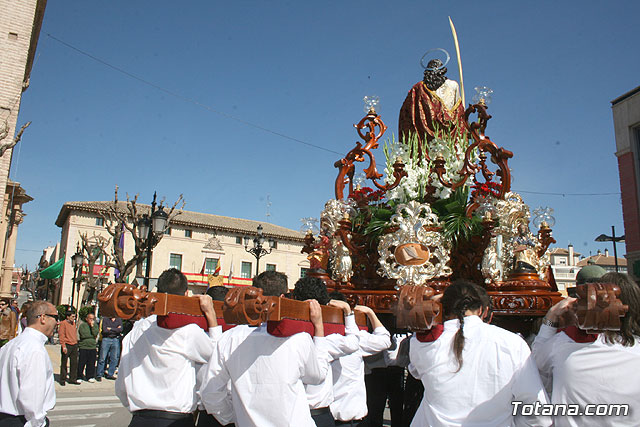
36, 334
454, 324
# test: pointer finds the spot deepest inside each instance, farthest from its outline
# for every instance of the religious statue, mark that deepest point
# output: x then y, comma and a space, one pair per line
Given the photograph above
341, 267
319, 258
432, 106
525, 258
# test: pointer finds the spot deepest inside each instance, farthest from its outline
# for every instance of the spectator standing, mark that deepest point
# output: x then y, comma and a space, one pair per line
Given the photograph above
22, 322
88, 332
14, 307
8, 322
68, 336
110, 346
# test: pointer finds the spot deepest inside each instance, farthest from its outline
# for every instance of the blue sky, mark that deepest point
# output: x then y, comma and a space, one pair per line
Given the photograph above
301, 69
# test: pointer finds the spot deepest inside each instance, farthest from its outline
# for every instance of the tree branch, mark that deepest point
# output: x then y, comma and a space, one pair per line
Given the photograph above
6, 146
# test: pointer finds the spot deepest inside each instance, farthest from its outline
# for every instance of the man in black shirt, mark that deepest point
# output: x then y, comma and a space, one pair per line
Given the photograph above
111, 328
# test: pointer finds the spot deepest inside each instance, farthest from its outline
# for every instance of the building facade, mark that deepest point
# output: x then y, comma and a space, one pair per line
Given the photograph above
20, 23
605, 261
195, 243
564, 264
626, 122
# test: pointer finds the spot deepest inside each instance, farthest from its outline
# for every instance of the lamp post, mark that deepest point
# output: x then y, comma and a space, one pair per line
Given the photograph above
258, 250
76, 261
613, 239
148, 227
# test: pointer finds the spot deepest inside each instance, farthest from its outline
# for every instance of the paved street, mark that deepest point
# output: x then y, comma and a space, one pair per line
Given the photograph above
83, 407
92, 404
87, 404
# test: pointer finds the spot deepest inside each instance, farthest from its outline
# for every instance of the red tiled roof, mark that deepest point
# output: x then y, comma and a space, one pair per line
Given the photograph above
602, 260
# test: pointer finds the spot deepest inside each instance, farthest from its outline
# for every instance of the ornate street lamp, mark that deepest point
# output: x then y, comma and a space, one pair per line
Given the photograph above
148, 228
613, 239
258, 250
77, 260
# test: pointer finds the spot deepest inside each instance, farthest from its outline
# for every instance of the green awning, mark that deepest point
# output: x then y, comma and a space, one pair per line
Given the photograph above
53, 271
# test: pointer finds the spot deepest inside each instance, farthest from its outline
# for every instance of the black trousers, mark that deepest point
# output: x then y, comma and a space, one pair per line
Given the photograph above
7, 420
324, 419
208, 420
145, 421
413, 392
72, 357
87, 361
383, 384
355, 423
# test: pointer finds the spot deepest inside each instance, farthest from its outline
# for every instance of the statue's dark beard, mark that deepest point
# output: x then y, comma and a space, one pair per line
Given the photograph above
434, 79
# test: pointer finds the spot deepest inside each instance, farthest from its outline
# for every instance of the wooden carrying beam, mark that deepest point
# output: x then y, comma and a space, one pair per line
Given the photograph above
242, 306
416, 310
598, 308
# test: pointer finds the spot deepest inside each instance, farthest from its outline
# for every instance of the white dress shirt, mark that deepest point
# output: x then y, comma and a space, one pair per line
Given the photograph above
496, 370
396, 355
266, 374
158, 366
321, 395
26, 387
589, 373
349, 391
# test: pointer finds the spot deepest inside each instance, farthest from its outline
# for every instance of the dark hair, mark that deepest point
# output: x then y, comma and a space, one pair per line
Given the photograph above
435, 76
486, 301
630, 296
37, 309
25, 307
272, 283
217, 293
311, 288
172, 281
460, 296
338, 296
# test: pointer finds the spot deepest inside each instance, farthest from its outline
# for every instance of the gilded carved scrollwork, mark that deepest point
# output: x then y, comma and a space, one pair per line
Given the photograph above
512, 240
416, 251
334, 224
522, 303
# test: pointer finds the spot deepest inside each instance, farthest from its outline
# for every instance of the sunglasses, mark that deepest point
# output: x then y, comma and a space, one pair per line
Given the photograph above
54, 316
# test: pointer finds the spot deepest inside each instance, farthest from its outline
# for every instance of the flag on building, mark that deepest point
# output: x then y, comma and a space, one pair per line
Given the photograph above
54, 271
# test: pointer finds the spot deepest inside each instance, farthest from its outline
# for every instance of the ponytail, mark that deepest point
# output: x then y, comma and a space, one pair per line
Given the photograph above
459, 297
458, 343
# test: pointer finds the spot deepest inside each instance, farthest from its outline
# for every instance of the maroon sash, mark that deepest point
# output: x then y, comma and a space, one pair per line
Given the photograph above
432, 335
178, 320
289, 327
578, 335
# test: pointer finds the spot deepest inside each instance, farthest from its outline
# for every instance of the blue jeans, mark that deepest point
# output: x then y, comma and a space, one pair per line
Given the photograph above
110, 347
